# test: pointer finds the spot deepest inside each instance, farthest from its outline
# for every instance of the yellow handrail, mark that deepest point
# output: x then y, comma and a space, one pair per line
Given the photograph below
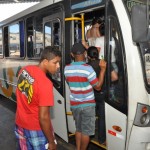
69, 113
73, 18
82, 22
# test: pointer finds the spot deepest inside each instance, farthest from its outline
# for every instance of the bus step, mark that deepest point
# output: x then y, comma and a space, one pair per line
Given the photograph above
69, 113
98, 144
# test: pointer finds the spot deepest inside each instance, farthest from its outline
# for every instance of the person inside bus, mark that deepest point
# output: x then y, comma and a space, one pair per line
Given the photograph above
30, 46
93, 33
93, 60
81, 79
100, 46
34, 98
99, 43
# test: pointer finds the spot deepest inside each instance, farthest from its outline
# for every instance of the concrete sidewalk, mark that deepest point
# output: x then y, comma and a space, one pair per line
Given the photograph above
7, 136
7, 120
7, 114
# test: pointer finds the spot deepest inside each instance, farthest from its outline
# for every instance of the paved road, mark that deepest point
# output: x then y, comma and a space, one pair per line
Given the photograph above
7, 137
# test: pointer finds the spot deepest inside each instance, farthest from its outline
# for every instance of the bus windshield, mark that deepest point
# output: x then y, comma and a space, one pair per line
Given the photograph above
144, 47
130, 3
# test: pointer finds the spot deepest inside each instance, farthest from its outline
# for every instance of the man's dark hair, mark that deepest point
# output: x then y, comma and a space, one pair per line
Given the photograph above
96, 20
50, 52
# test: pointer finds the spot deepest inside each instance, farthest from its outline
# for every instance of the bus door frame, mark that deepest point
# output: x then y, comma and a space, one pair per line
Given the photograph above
70, 120
116, 120
58, 112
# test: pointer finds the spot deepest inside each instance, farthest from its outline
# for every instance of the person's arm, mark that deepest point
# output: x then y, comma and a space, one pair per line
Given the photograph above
85, 44
101, 75
114, 76
88, 35
46, 126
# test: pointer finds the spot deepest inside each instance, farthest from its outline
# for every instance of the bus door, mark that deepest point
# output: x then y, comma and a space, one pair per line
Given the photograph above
53, 28
116, 82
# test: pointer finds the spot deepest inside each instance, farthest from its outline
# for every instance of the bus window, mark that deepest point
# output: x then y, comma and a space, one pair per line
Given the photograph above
52, 34
56, 34
14, 42
52, 37
145, 51
6, 49
56, 41
22, 33
47, 35
1, 41
117, 87
29, 36
38, 36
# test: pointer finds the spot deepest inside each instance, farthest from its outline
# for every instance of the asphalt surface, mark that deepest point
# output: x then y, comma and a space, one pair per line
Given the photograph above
7, 136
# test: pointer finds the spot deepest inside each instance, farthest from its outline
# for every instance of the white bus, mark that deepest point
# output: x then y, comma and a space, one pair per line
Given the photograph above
62, 23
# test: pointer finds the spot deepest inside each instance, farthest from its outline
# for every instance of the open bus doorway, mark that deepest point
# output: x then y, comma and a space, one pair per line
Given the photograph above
115, 99
88, 17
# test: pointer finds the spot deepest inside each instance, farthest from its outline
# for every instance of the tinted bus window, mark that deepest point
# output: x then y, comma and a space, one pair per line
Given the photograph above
38, 36
22, 38
56, 34
6, 49
117, 88
52, 37
30, 37
1, 41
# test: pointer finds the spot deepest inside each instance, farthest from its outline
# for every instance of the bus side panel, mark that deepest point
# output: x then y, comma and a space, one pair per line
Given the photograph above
116, 102
137, 137
71, 123
115, 139
8, 76
58, 116
142, 135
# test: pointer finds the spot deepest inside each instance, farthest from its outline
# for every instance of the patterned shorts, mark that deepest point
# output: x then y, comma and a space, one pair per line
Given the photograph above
30, 139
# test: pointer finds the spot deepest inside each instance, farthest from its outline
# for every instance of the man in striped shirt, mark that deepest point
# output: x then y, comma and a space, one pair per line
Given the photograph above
82, 79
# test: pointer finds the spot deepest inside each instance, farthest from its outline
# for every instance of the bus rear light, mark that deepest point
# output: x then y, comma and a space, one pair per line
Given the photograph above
142, 116
144, 109
145, 119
